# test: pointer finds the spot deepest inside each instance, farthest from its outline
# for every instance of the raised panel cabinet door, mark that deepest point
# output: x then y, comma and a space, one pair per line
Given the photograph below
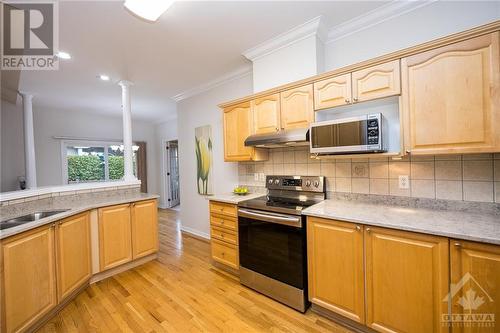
144, 228
73, 254
238, 124
266, 114
378, 81
406, 280
115, 238
297, 107
475, 286
335, 267
29, 278
451, 98
335, 91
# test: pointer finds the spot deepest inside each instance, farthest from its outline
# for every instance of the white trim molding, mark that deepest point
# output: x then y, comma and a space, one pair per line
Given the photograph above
313, 27
195, 232
228, 77
374, 17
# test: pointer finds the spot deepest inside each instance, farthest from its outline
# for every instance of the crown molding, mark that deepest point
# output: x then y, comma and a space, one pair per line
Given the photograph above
313, 27
374, 17
228, 77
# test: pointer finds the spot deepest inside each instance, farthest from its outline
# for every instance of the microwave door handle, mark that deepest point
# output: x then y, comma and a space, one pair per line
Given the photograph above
291, 221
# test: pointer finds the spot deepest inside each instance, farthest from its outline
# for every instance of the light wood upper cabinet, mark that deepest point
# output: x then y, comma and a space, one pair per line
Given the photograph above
73, 254
376, 82
475, 271
238, 125
451, 98
335, 267
29, 278
297, 107
266, 114
406, 280
115, 239
335, 91
144, 228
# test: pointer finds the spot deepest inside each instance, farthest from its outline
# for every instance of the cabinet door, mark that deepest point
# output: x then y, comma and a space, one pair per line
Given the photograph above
73, 254
335, 262
451, 98
29, 278
297, 108
332, 92
144, 228
266, 114
406, 280
376, 82
475, 281
115, 239
238, 123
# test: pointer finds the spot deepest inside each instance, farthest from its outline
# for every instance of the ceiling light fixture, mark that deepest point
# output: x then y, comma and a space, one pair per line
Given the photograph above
149, 10
104, 77
63, 55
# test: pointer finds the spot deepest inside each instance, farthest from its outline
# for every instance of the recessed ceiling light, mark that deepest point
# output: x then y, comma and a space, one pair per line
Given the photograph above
149, 10
63, 55
103, 77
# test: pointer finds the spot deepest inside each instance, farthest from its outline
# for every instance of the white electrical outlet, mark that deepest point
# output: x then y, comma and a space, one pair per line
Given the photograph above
256, 177
404, 182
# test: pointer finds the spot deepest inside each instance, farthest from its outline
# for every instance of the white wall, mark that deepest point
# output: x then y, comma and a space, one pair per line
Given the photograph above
291, 63
197, 111
436, 20
166, 131
12, 146
49, 123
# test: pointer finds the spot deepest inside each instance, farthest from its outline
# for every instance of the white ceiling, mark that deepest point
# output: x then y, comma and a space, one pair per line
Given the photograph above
192, 43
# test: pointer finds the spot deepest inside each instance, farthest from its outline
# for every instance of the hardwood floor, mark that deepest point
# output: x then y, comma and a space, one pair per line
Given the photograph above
181, 292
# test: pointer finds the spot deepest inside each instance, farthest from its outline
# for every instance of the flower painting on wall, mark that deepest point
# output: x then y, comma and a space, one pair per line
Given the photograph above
203, 141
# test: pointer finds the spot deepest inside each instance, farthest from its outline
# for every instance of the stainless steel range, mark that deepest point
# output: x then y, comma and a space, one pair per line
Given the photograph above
272, 238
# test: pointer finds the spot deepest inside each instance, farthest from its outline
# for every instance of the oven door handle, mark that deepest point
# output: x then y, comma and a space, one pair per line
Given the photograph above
292, 221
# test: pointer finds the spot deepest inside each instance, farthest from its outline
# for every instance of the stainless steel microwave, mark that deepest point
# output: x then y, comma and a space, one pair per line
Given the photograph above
362, 134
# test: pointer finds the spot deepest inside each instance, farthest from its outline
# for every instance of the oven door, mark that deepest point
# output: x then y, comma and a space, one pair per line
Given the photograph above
273, 245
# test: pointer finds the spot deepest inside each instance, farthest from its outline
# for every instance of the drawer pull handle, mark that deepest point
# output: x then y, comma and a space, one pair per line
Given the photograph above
368, 230
457, 244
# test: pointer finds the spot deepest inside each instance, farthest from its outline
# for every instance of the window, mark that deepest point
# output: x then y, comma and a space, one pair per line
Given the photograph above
94, 161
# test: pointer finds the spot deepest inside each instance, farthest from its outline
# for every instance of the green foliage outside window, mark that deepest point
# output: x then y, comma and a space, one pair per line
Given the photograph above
85, 168
116, 165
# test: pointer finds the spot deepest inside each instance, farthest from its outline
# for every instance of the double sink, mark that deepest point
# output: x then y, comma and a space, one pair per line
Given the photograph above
16, 221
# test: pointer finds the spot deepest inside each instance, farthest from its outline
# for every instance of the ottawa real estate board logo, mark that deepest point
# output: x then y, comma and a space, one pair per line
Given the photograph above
29, 36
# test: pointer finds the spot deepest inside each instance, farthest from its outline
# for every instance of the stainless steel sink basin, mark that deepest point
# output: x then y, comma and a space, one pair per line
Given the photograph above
14, 222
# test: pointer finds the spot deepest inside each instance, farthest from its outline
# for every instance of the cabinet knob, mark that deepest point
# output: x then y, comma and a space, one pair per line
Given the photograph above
408, 152
358, 228
347, 100
355, 99
368, 230
457, 244
282, 128
277, 129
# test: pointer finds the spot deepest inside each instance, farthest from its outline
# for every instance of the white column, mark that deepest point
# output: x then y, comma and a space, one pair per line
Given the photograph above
29, 141
127, 131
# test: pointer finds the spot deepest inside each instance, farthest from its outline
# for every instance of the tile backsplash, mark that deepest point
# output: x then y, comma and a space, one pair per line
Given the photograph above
474, 177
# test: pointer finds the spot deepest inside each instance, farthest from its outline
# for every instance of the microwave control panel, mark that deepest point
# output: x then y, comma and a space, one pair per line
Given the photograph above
373, 131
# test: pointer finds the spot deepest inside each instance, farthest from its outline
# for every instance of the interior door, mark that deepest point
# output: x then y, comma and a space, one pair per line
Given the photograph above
173, 174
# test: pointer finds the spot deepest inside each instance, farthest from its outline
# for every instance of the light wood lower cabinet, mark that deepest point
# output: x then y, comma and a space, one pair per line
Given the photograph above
73, 253
406, 280
29, 278
144, 218
224, 232
475, 281
115, 236
335, 265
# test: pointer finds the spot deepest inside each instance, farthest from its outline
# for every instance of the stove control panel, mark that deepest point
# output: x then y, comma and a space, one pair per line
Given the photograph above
296, 183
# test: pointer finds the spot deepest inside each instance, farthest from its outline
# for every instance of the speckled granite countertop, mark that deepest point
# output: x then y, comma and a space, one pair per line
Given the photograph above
74, 204
475, 226
233, 198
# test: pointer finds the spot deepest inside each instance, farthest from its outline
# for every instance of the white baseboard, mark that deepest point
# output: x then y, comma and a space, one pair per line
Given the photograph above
195, 232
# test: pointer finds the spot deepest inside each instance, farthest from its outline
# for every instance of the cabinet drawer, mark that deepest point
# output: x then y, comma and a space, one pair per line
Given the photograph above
225, 253
223, 208
224, 235
224, 221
